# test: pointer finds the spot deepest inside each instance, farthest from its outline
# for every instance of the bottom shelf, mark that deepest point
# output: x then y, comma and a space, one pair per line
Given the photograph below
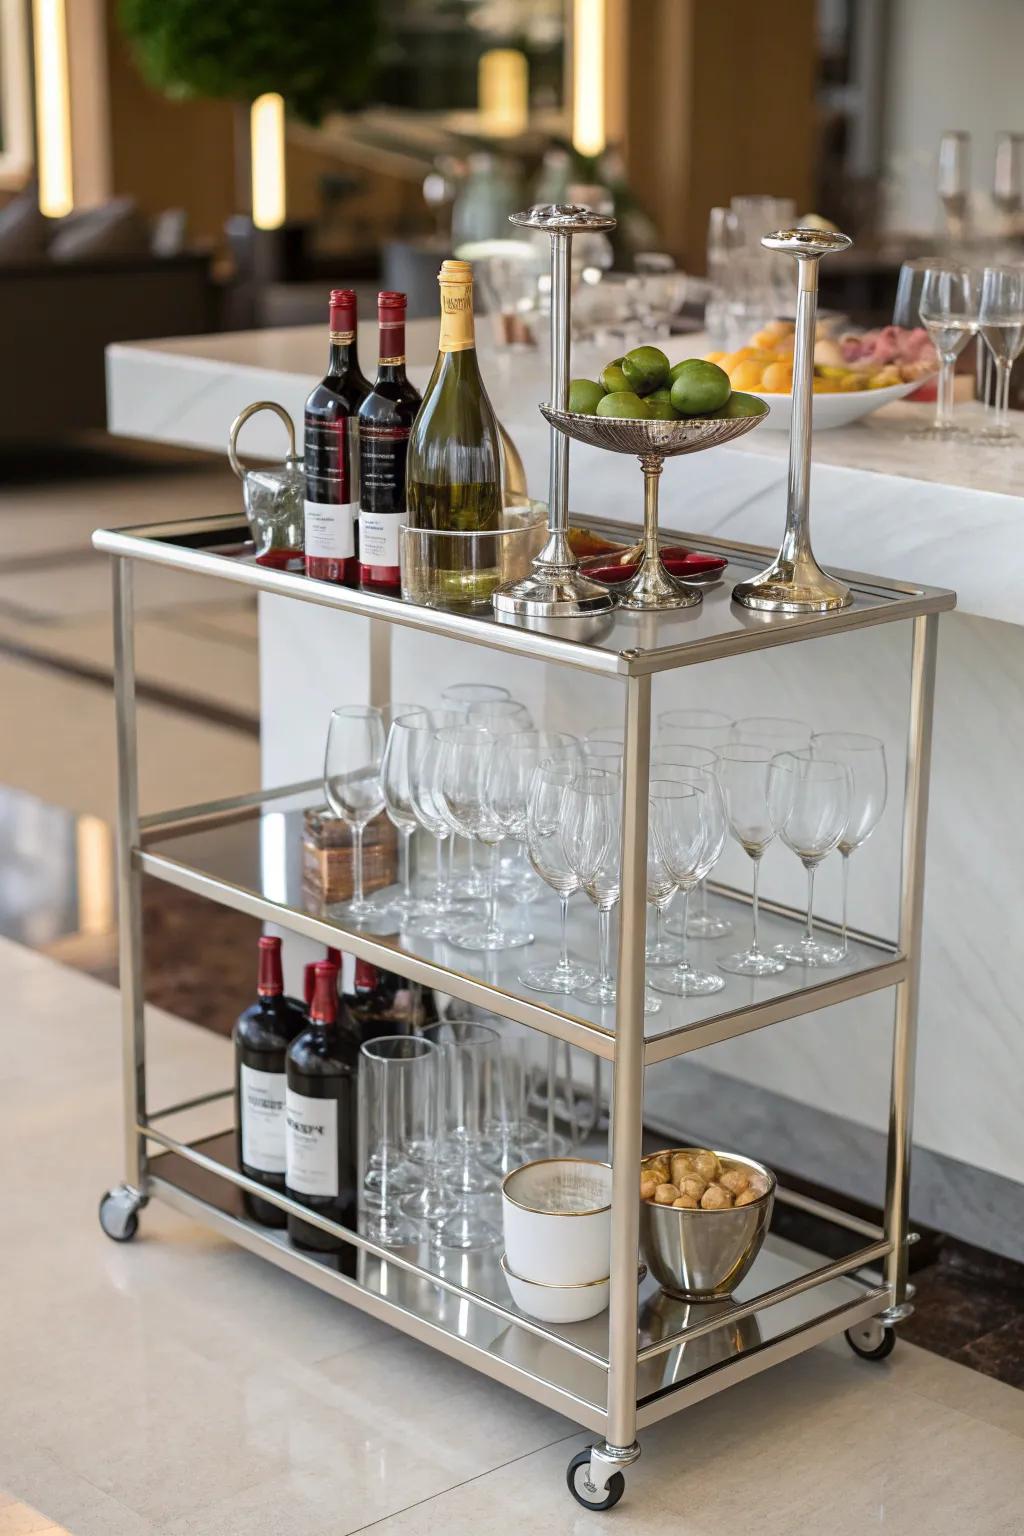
501, 1345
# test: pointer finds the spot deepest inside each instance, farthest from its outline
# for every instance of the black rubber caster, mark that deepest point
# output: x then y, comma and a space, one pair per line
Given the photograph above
865, 1340
119, 1213
585, 1492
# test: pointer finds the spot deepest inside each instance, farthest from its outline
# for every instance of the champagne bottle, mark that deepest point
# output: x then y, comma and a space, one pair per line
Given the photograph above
455, 452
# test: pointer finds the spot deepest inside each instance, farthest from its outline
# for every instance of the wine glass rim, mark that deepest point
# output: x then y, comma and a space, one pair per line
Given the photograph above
463, 734
473, 1033
375, 1048
717, 715
673, 789
605, 782
405, 722
487, 691
736, 751
354, 711
768, 724
663, 755
851, 741
807, 759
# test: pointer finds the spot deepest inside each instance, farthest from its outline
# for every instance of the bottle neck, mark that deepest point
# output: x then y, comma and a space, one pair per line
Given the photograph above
391, 348
457, 329
270, 981
324, 1008
343, 356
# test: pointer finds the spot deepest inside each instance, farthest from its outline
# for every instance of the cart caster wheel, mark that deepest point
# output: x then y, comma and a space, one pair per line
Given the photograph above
119, 1213
587, 1493
871, 1341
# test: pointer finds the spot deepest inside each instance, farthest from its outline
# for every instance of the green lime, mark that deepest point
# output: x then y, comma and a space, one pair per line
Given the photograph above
699, 387
623, 402
645, 368
739, 404
584, 396
612, 377
659, 405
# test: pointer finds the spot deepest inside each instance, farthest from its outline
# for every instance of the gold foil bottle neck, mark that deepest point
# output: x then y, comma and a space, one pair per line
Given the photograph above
456, 280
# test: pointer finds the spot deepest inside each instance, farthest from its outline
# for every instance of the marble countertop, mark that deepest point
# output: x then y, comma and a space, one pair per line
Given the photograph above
940, 514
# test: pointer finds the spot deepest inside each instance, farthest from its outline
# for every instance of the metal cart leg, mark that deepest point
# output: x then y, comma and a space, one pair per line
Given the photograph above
915, 817
119, 1207
619, 1448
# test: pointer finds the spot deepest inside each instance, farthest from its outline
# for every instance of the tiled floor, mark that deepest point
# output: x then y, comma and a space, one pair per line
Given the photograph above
177, 1386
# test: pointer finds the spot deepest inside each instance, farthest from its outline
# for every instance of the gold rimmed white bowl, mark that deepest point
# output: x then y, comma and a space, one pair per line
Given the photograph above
557, 1303
557, 1218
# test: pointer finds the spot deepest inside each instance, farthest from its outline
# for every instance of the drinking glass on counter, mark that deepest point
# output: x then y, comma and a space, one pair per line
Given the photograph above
943, 297
1001, 324
352, 786
689, 829
544, 818
864, 756
743, 775
809, 805
397, 1115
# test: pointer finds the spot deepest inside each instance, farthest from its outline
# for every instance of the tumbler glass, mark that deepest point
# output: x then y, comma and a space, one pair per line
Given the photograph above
398, 1099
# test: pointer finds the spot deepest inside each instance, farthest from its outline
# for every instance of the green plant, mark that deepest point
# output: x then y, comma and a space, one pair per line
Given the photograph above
321, 56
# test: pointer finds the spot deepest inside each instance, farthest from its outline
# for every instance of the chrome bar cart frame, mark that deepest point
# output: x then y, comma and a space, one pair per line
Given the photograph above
613, 1375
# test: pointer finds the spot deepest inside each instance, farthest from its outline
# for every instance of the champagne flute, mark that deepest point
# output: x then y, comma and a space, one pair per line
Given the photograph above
949, 313
352, 786
544, 816
743, 774
865, 758
1001, 323
809, 805
689, 829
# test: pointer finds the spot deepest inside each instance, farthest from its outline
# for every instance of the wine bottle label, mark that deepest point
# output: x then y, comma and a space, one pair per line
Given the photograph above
311, 1144
330, 530
382, 457
378, 537
331, 456
261, 1107
456, 318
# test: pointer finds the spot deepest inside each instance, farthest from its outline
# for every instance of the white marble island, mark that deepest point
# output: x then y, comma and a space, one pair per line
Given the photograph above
944, 516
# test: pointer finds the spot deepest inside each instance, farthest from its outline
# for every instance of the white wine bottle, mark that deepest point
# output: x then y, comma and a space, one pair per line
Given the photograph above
455, 457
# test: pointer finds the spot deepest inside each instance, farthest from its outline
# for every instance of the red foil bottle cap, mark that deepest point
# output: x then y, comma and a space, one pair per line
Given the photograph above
271, 979
391, 301
324, 1007
343, 309
366, 976
308, 982
333, 957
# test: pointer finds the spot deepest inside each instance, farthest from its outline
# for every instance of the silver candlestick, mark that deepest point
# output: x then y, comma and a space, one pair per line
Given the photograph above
795, 582
557, 588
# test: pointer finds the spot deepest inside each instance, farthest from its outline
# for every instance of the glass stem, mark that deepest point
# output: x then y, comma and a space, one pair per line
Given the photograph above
659, 927
563, 955
809, 930
702, 901
439, 866
1003, 368
357, 867
403, 862
684, 958
492, 892
604, 931
846, 892
944, 393
754, 950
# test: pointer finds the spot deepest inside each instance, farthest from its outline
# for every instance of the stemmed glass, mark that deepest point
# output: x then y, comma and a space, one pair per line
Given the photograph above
435, 913
604, 753
743, 774
591, 842
396, 778
661, 888
499, 716
776, 732
864, 756
949, 313
352, 786
689, 829
462, 783
1001, 323
544, 815
519, 755
459, 697
809, 804
685, 762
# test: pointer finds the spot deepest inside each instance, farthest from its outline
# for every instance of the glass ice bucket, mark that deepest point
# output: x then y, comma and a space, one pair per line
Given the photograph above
273, 495
459, 571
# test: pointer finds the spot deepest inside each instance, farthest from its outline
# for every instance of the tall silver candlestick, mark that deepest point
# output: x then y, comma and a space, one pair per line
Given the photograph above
795, 582
557, 588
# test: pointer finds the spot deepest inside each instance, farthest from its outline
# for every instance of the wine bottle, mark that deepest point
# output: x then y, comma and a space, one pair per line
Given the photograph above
331, 451
261, 1037
385, 421
321, 1133
455, 452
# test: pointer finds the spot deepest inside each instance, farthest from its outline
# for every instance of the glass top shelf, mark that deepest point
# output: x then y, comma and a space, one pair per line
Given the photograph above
618, 643
252, 860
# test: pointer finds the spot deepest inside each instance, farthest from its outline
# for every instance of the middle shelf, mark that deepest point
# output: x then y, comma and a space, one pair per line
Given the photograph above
250, 858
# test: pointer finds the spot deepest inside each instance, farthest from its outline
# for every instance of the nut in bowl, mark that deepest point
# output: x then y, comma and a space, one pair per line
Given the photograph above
703, 1217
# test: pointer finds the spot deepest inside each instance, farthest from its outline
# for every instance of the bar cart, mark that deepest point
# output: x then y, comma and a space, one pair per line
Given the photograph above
646, 1357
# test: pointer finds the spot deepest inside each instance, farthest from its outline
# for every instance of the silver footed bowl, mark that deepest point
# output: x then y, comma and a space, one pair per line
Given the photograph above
666, 439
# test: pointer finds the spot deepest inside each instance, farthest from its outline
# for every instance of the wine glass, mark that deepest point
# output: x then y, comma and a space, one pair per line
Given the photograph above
809, 805
689, 829
864, 756
678, 759
661, 888
519, 755
591, 841
1001, 323
949, 313
462, 783
352, 786
773, 731
459, 697
499, 716
396, 779
743, 774
692, 727
600, 752
544, 814
434, 918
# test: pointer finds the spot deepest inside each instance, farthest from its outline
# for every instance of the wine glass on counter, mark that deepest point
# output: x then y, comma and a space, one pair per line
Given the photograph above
809, 805
688, 822
943, 297
743, 775
544, 816
353, 788
864, 756
1001, 325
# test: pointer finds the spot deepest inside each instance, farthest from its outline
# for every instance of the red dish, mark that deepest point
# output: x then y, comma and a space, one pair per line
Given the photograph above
687, 564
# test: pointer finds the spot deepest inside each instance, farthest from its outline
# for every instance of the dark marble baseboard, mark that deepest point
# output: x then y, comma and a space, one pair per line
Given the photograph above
970, 1204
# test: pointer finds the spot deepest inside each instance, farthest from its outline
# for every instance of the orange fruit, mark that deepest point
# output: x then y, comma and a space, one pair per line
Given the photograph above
746, 374
714, 357
777, 378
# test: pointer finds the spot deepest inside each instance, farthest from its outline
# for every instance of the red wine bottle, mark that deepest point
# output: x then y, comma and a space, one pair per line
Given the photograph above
261, 1036
385, 422
377, 1002
321, 1132
331, 451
